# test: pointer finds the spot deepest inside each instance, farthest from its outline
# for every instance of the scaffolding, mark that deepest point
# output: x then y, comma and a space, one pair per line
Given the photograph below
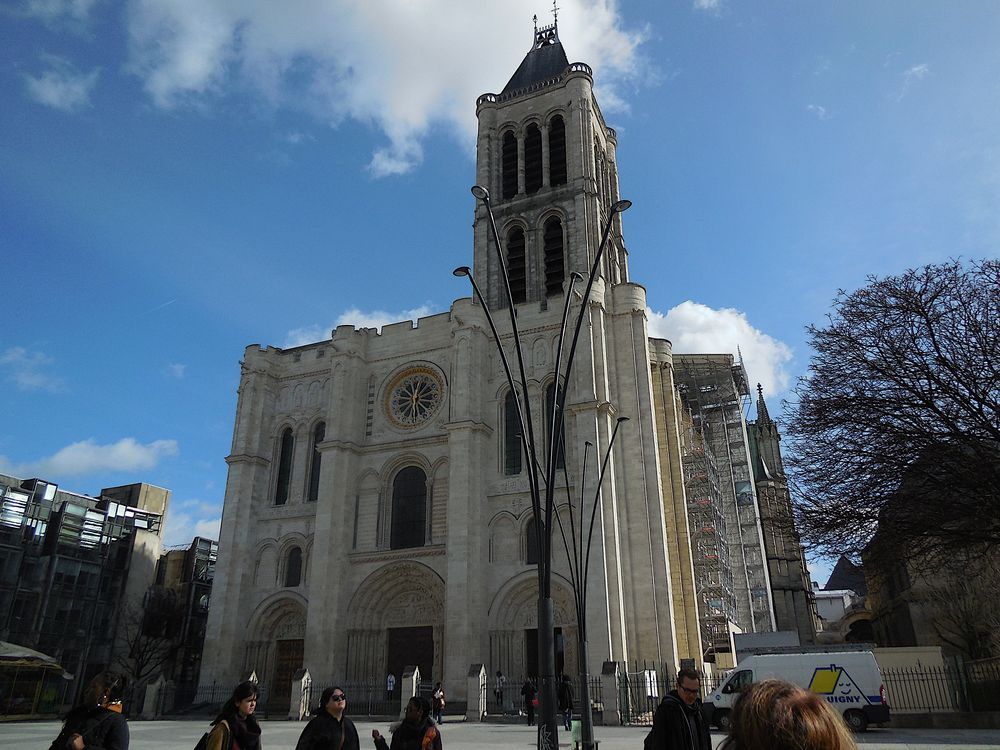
715, 392
713, 572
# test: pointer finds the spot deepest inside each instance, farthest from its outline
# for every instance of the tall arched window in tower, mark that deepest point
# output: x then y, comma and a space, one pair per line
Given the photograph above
508, 165
511, 436
293, 567
532, 159
319, 435
552, 238
530, 543
550, 404
285, 449
516, 268
409, 508
557, 151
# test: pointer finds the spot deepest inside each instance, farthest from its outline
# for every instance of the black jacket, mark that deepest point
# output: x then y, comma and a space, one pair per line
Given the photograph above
411, 736
672, 726
565, 696
101, 729
323, 733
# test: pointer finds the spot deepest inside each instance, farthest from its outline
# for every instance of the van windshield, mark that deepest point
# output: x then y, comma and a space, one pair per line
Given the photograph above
738, 681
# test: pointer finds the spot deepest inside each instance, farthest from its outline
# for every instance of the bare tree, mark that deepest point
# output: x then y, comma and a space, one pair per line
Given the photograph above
148, 636
898, 418
959, 594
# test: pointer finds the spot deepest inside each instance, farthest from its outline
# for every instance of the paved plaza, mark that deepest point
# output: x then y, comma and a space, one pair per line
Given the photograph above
282, 735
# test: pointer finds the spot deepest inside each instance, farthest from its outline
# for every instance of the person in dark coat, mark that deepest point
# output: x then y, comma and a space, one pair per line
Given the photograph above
678, 723
566, 702
529, 693
329, 729
416, 731
235, 726
97, 722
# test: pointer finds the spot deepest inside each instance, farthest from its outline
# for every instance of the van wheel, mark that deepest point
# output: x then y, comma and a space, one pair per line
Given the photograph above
722, 719
856, 720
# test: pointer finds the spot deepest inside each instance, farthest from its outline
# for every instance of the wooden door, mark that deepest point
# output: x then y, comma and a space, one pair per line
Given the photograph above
406, 646
287, 661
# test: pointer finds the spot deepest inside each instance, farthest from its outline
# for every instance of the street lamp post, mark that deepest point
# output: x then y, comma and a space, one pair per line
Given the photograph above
542, 507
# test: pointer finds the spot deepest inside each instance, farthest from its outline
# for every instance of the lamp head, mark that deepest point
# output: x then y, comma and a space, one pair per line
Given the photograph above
621, 206
462, 271
576, 276
622, 419
480, 192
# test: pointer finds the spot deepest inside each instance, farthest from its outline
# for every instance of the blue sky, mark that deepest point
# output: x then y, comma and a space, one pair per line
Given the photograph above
182, 178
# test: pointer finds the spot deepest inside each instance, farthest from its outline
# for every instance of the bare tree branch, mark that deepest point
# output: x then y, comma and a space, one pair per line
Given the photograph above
902, 399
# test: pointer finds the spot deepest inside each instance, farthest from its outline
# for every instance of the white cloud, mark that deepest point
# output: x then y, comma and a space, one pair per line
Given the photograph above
911, 76
712, 6
187, 519
820, 112
693, 328
176, 370
87, 457
62, 86
54, 10
357, 318
27, 370
397, 65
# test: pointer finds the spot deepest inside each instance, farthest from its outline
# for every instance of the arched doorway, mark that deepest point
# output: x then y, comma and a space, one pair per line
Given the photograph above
513, 619
396, 620
276, 648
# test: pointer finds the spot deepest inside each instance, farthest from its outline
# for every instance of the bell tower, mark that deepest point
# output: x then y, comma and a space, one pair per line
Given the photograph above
547, 158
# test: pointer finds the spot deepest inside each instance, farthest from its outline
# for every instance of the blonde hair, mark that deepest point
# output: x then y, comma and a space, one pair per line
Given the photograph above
777, 715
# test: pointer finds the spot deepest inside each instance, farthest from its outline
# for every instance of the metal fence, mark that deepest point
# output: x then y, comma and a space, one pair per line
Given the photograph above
958, 686
366, 698
641, 686
961, 686
513, 701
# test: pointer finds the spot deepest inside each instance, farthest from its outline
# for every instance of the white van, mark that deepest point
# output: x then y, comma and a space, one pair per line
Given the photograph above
849, 680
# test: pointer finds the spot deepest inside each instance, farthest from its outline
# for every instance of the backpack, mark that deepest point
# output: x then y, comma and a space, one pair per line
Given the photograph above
203, 742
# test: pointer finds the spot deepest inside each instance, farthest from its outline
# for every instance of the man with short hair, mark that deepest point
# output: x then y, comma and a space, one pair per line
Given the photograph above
678, 723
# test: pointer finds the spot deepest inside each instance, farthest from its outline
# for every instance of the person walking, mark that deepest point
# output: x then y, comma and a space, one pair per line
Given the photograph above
437, 703
678, 723
566, 702
498, 689
390, 686
777, 715
415, 732
329, 729
97, 721
235, 726
528, 692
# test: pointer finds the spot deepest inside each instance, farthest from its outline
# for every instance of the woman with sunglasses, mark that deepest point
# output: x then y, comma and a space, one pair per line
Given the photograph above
97, 722
235, 726
329, 729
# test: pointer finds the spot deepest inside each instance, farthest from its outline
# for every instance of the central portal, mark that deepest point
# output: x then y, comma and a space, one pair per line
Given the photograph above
531, 652
406, 646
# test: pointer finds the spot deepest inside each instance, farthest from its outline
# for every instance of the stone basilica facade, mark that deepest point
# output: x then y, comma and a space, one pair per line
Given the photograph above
377, 510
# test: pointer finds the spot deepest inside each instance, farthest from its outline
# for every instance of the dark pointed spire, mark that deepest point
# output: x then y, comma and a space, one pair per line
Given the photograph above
763, 418
545, 60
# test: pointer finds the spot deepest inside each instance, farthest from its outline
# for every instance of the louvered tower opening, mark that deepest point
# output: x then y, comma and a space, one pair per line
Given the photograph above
554, 263
557, 151
516, 269
532, 159
509, 165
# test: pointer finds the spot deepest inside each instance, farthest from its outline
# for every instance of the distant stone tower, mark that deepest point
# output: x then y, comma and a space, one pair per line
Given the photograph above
548, 159
790, 586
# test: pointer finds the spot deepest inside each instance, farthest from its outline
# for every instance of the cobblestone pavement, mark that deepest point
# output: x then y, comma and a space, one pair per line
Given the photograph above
282, 735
